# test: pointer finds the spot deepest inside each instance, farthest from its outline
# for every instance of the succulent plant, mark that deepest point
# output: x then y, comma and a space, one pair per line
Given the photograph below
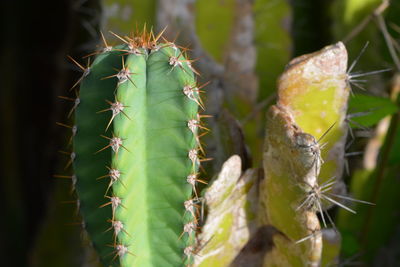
137, 152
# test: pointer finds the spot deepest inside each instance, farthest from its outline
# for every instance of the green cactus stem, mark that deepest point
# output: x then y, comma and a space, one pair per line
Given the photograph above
137, 152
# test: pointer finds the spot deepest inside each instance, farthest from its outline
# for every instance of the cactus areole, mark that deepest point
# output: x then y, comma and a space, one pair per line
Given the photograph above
137, 153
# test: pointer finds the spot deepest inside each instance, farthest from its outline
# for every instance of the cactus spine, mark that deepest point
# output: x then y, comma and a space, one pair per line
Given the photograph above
136, 152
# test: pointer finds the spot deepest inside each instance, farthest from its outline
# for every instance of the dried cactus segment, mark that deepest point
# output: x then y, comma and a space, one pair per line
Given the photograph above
299, 167
315, 89
232, 203
135, 212
291, 163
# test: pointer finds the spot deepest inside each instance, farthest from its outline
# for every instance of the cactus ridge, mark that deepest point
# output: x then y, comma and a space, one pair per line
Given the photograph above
137, 151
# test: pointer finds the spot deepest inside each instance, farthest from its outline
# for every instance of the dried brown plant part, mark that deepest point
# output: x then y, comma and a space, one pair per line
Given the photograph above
314, 89
291, 158
232, 204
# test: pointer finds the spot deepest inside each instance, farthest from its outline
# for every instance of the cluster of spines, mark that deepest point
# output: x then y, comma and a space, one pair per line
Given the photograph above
317, 193
139, 43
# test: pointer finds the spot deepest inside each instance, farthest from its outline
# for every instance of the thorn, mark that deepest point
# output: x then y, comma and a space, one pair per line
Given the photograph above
313, 234
106, 48
351, 154
116, 108
189, 228
193, 156
123, 75
72, 177
132, 43
326, 132
117, 226
119, 37
191, 207
193, 126
192, 179
171, 44
115, 144
189, 251
77, 203
86, 71
76, 101
346, 166
356, 75
174, 60
73, 128
351, 76
72, 156
355, 61
315, 195
206, 116
189, 63
114, 175
115, 202
153, 44
193, 94
120, 251
349, 121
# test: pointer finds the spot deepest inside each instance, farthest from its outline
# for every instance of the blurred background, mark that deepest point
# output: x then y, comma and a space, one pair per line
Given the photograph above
242, 46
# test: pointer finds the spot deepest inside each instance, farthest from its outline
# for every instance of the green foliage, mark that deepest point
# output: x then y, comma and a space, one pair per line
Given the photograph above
372, 108
379, 184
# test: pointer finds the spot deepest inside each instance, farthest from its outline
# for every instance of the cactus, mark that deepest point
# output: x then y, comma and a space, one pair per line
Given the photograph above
232, 207
136, 152
296, 167
291, 164
231, 32
315, 89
